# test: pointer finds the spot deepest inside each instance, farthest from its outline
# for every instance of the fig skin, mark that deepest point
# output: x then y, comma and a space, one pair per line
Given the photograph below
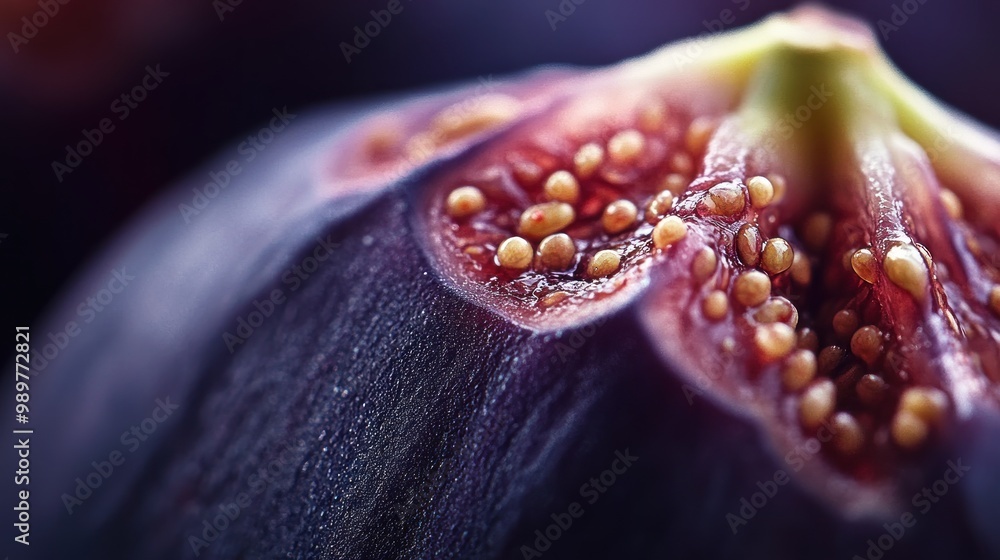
433, 425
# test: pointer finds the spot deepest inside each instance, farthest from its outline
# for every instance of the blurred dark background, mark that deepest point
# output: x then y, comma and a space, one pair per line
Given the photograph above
231, 61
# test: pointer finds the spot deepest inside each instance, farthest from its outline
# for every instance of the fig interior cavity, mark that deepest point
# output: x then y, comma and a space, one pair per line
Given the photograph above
547, 221
830, 274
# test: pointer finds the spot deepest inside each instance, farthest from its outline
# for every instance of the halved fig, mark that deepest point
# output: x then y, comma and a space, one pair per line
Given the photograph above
745, 306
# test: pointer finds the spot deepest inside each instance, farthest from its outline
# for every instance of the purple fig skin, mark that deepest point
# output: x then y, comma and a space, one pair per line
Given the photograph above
405, 419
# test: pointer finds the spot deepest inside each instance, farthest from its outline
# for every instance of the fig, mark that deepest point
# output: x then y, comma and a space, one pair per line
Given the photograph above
735, 298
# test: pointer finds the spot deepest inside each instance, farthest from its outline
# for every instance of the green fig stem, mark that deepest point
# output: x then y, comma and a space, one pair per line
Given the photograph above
788, 53
779, 62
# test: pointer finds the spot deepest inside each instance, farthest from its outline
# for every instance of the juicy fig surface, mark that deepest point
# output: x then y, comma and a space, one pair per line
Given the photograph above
734, 299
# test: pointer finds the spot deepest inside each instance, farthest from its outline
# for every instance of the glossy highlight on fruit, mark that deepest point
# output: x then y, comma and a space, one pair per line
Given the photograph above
527, 280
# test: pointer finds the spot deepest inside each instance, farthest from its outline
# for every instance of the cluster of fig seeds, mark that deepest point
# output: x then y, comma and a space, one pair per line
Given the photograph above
832, 358
588, 213
837, 367
837, 364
